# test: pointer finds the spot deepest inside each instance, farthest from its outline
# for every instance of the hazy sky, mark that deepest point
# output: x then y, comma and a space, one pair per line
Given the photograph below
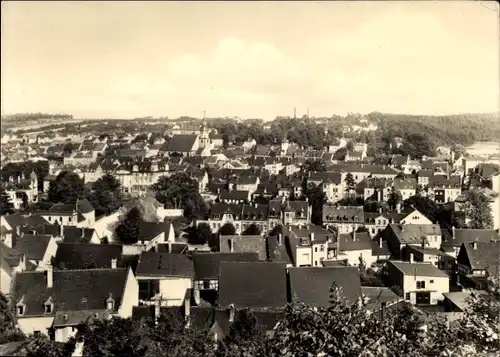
259, 59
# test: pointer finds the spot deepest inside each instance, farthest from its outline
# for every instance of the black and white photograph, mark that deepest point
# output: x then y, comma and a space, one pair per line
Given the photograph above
250, 179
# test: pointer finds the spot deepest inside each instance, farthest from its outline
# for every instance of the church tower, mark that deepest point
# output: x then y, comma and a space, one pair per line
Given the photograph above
204, 134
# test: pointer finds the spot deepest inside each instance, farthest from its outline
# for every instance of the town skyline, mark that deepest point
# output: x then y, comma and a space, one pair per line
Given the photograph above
126, 60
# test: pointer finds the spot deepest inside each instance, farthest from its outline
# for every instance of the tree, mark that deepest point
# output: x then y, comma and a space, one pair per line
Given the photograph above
349, 183
181, 191
350, 145
8, 330
315, 165
68, 149
107, 196
24, 198
276, 230
477, 210
261, 200
200, 234
67, 188
6, 205
128, 230
394, 198
317, 199
245, 337
227, 230
114, 337
41, 346
252, 230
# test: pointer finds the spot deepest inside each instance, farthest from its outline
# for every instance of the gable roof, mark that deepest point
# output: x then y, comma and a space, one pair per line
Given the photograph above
86, 256
33, 246
150, 230
252, 284
244, 244
354, 241
459, 236
72, 289
206, 265
76, 234
312, 285
486, 256
418, 269
180, 143
165, 265
414, 233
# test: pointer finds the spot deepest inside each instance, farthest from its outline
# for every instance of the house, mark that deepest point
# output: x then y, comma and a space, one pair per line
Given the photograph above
434, 256
380, 250
309, 245
182, 144
167, 276
354, 247
376, 298
445, 189
87, 256
153, 233
312, 286
378, 189
477, 261
376, 222
80, 214
420, 283
207, 266
247, 183
38, 249
43, 298
345, 219
11, 262
398, 236
333, 186
451, 245
73, 234
241, 285
234, 196
244, 244
407, 187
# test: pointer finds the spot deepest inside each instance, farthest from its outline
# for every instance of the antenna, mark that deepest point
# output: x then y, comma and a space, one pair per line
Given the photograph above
204, 115
294, 113
307, 112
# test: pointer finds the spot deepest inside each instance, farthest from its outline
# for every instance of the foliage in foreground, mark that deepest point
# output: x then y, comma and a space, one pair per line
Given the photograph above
340, 329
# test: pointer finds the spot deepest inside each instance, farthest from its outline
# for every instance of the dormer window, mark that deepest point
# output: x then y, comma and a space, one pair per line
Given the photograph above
48, 308
20, 310
110, 303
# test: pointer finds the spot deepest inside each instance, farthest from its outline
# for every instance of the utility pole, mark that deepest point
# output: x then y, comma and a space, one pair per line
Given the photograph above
294, 113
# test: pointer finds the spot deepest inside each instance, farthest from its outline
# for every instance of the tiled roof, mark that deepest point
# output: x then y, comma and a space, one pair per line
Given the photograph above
459, 236
258, 285
414, 233
277, 252
177, 248
234, 195
343, 214
486, 256
180, 143
312, 285
72, 289
151, 230
75, 318
418, 269
244, 244
86, 256
354, 241
206, 265
165, 265
33, 246
377, 296
77, 235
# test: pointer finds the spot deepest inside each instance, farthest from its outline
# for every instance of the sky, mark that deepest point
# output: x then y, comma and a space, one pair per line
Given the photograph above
249, 59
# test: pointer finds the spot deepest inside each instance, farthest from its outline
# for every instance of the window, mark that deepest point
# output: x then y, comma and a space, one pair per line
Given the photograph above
214, 284
407, 297
69, 219
60, 219
322, 248
315, 263
50, 218
315, 249
20, 310
420, 284
48, 308
431, 282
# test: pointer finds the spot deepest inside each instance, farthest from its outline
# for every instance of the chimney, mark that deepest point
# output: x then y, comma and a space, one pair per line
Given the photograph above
196, 295
453, 232
50, 275
312, 236
113, 263
83, 232
231, 313
354, 236
61, 230
411, 258
398, 207
157, 308
280, 238
380, 210
187, 308
380, 242
474, 245
231, 245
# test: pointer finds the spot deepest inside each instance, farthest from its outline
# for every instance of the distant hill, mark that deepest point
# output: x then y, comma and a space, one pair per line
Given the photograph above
36, 116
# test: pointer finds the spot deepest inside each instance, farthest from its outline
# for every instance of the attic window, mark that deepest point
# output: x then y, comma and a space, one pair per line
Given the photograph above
20, 310
48, 308
110, 303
